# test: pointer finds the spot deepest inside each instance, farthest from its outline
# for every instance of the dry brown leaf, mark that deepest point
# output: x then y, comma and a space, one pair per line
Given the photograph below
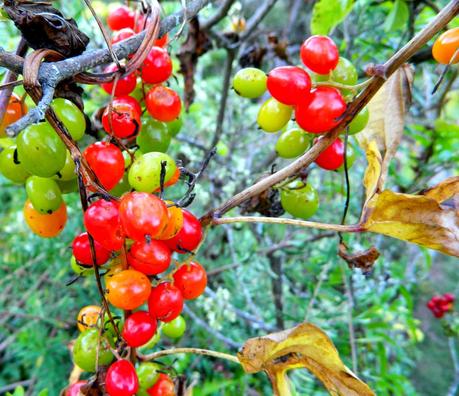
418, 219
43, 26
364, 259
387, 116
304, 346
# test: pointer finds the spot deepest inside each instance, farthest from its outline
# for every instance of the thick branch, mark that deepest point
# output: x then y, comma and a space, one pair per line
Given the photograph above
397, 60
36, 114
53, 73
11, 61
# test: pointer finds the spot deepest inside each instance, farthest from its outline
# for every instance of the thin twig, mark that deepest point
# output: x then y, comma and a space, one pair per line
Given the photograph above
221, 13
320, 281
11, 84
219, 336
104, 33
452, 390
230, 54
350, 322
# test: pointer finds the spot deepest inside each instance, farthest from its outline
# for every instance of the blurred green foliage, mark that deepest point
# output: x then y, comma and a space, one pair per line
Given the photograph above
400, 347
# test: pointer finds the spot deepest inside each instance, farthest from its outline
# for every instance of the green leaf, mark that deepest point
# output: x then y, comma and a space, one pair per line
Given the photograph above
327, 14
398, 17
19, 391
43, 392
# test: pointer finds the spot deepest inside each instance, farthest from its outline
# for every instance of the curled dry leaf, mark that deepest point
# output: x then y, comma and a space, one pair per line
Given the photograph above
43, 26
304, 346
363, 260
267, 203
387, 115
420, 219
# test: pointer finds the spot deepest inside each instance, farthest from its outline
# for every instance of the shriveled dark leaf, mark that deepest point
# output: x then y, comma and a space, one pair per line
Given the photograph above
96, 387
68, 89
43, 26
196, 44
279, 47
364, 259
267, 204
252, 56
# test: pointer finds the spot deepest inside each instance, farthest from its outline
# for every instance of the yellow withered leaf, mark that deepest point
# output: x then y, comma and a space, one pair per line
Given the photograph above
304, 346
387, 116
419, 219
443, 191
373, 171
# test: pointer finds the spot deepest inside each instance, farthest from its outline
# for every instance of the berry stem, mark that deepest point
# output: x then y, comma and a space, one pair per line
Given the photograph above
196, 351
353, 88
280, 220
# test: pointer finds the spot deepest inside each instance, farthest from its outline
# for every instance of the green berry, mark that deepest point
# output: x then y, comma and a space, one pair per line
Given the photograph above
292, 143
250, 82
300, 200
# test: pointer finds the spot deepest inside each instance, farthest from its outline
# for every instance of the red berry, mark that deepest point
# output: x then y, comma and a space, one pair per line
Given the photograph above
125, 120
139, 328
162, 41
142, 214
189, 237
102, 221
120, 18
122, 34
436, 299
82, 251
289, 84
164, 386
140, 22
430, 305
121, 379
151, 257
165, 302
448, 297
134, 103
107, 162
438, 313
191, 280
332, 157
124, 86
74, 389
319, 54
163, 103
321, 111
157, 67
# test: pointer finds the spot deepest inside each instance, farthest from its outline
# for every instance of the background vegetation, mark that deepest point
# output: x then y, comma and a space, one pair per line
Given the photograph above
262, 277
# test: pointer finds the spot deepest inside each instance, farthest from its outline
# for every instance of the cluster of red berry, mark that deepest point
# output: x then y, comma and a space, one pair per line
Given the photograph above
130, 230
439, 305
152, 229
316, 97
